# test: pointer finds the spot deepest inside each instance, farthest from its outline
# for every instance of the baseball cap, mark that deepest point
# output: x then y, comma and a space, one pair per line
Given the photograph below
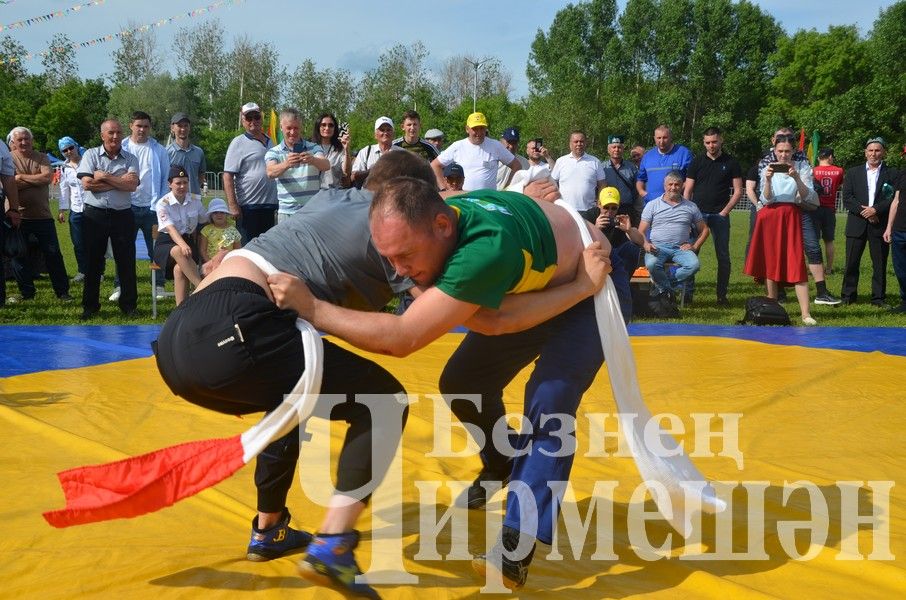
454, 170
180, 116
511, 134
616, 139
176, 171
876, 140
218, 205
66, 142
250, 107
433, 134
609, 196
477, 119
382, 121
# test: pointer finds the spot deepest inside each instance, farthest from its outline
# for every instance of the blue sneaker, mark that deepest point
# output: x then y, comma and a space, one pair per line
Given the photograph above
330, 562
275, 542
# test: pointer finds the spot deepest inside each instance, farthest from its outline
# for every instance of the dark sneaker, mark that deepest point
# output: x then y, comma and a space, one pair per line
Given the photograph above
827, 298
513, 572
331, 563
475, 497
723, 302
275, 542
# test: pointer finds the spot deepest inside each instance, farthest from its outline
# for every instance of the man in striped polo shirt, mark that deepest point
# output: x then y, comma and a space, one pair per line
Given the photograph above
296, 164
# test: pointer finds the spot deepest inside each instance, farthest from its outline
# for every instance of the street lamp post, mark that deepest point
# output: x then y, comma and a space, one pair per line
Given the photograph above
476, 64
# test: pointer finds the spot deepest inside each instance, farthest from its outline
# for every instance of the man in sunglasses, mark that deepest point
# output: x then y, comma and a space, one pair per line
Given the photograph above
251, 194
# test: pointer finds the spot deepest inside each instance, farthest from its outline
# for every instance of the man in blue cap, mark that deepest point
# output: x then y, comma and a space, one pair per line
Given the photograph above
510, 141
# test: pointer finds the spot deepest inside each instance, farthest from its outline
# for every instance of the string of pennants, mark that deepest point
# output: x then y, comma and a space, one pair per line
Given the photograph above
53, 15
127, 32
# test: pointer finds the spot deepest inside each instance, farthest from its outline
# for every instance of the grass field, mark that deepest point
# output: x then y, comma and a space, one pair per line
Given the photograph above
46, 309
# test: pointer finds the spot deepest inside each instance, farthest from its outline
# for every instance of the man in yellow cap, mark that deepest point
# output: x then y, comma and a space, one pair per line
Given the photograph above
626, 242
478, 154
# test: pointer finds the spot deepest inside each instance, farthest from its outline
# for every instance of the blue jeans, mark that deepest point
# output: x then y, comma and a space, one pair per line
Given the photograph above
898, 257
46, 232
624, 259
686, 261
810, 240
78, 239
569, 355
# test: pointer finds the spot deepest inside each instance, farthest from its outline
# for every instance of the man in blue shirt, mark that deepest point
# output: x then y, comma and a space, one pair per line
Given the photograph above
295, 164
660, 160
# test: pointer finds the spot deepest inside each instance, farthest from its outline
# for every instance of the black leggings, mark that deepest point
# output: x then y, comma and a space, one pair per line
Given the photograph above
230, 349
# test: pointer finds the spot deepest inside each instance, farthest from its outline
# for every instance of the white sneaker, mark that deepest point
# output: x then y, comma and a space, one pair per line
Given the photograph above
808, 321
78, 277
115, 295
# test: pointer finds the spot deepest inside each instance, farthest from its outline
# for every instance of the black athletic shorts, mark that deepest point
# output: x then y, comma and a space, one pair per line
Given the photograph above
230, 349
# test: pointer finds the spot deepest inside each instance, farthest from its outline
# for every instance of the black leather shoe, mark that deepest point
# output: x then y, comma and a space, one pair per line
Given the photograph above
475, 496
87, 315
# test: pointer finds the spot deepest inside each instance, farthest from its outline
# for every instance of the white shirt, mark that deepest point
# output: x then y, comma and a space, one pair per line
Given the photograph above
578, 179
143, 194
479, 162
184, 216
71, 189
504, 170
872, 176
369, 155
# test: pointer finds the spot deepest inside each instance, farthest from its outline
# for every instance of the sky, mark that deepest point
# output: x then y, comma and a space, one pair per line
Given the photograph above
352, 34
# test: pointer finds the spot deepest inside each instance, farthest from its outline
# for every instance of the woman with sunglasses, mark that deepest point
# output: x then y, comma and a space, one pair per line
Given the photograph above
335, 146
71, 200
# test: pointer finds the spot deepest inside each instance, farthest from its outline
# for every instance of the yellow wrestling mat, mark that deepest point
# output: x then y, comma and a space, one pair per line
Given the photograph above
820, 441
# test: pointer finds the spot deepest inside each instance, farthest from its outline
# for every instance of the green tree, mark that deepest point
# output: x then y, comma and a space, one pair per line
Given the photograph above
313, 91
59, 63
158, 95
200, 53
76, 109
253, 74
137, 56
457, 79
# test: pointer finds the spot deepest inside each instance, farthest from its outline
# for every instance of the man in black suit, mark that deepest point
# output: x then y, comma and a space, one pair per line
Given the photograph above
867, 194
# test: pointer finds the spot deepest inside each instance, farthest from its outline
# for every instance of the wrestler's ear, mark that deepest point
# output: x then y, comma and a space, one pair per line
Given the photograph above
443, 224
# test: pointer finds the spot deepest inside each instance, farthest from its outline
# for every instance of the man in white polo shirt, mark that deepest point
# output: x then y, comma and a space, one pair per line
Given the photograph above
580, 177
367, 156
478, 155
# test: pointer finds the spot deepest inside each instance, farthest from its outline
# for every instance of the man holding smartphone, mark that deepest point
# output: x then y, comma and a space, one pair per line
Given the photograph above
295, 164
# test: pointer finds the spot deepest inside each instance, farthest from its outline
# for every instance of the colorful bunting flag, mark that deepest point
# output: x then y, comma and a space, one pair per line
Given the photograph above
112, 36
49, 16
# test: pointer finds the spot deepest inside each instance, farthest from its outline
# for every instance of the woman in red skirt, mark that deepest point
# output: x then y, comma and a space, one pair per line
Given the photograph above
776, 252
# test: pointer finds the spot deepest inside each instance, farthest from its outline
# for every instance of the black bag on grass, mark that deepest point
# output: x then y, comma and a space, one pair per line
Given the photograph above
761, 310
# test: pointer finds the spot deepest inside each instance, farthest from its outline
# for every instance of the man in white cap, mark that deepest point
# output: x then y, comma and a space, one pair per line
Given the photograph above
365, 159
435, 137
251, 194
478, 156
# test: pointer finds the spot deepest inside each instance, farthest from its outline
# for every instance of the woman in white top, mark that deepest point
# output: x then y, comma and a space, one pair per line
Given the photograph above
776, 251
71, 200
335, 146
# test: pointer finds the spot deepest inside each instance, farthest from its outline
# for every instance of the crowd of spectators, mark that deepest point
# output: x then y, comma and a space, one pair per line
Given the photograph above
672, 201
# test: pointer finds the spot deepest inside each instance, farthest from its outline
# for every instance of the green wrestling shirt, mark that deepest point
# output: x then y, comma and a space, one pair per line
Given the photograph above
505, 246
